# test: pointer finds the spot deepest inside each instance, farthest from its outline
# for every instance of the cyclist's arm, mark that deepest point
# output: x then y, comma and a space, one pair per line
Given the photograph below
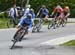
20, 23
39, 12
17, 12
68, 14
53, 11
10, 11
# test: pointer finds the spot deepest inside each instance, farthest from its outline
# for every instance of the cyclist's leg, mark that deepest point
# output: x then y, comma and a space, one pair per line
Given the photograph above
14, 21
40, 24
24, 33
18, 29
27, 29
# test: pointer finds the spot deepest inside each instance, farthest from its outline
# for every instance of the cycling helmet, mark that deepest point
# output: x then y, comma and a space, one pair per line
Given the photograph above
31, 10
28, 6
66, 7
29, 16
58, 6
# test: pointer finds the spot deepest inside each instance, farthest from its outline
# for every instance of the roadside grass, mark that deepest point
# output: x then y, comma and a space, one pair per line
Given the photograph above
69, 43
3, 22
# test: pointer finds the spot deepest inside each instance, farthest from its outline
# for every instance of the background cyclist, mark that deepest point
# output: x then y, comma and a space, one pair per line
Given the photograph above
57, 13
66, 12
43, 14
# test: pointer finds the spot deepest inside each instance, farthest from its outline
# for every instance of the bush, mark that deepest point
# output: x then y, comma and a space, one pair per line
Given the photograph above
4, 15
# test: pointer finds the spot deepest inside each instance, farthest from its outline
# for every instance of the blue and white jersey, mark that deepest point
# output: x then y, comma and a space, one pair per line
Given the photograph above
25, 21
11, 12
44, 11
33, 15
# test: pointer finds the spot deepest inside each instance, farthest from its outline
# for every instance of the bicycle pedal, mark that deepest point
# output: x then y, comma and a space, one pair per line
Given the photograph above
20, 40
13, 40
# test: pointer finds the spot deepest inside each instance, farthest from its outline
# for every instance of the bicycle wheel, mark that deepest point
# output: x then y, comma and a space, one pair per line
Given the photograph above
16, 38
38, 27
49, 25
34, 28
52, 24
10, 24
13, 44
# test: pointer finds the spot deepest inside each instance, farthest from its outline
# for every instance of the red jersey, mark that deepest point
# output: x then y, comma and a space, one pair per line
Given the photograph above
58, 9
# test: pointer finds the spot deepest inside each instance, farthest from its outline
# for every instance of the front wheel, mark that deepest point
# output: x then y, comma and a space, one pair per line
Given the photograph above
14, 42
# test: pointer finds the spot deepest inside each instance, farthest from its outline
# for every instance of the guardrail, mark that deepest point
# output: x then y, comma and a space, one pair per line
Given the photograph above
69, 19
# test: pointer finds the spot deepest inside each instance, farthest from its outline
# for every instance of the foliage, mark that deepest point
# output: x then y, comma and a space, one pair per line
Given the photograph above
3, 15
35, 4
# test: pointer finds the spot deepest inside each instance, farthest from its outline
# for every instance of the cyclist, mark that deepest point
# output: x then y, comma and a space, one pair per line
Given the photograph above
27, 9
13, 13
66, 12
31, 11
25, 21
43, 13
33, 15
57, 11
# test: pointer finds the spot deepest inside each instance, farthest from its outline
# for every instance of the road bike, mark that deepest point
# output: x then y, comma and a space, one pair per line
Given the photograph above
19, 35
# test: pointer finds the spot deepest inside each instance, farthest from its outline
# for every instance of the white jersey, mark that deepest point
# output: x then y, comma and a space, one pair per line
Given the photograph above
26, 11
12, 11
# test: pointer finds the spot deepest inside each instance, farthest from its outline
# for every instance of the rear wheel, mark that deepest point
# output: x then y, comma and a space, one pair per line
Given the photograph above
10, 23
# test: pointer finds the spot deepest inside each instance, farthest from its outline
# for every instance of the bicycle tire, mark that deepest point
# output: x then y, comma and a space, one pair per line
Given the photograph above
34, 28
10, 24
49, 25
52, 24
16, 39
13, 44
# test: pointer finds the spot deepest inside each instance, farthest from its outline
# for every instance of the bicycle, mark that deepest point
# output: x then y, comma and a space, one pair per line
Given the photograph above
11, 22
19, 35
37, 26
53, 23
62, 21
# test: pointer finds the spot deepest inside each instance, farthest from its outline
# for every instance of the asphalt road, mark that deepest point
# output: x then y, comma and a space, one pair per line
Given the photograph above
32, 45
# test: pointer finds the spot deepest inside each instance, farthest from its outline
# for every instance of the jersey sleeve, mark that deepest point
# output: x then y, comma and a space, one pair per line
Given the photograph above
21, 22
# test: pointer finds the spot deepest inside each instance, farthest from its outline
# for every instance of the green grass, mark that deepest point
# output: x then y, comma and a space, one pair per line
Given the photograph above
3, 23
69, 43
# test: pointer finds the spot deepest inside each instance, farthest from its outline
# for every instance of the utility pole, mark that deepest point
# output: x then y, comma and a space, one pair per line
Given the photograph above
14, 2
27, 2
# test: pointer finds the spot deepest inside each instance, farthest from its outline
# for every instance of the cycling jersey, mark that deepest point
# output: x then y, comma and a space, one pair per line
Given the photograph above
43, 12
13, 12
25, 21
58, 9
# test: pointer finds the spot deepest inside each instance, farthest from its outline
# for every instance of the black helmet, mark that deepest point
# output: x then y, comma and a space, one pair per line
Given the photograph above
29, 16
31, 10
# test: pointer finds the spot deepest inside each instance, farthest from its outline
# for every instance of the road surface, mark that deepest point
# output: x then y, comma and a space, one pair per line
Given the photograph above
32, 45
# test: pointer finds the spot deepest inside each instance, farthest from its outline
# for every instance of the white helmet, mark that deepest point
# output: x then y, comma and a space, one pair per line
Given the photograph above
28, 6
58, 6
67, 7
